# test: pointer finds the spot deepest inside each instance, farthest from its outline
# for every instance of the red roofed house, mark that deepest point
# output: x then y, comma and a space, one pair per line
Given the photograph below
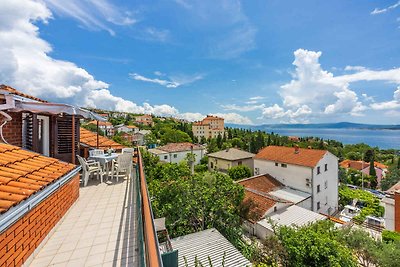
176, 152
308, 170
362, 166
145, 119
267, 198
209, 127
105, 126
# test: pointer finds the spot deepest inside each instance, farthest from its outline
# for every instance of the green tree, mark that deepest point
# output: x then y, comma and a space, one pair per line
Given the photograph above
392, 177
372, 170
239, 172
219, 141
174, 136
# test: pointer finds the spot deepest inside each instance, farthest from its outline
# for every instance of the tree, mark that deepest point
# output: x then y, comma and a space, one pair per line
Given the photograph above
174, 136
372, 170
392, 177
219, 141
239, 172
314, 245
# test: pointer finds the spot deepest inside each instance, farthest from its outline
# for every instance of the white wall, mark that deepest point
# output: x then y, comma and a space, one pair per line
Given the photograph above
296, 177
388, 203
176, 157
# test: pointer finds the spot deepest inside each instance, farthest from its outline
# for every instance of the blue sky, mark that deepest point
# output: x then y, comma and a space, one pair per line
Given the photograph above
251, 62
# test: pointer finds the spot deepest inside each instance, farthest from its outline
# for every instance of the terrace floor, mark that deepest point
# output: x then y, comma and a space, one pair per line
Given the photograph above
98, 230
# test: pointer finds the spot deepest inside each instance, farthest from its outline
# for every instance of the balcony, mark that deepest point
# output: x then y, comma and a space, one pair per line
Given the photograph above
111, 224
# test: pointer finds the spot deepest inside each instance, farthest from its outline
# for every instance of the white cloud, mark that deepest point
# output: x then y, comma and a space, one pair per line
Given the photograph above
243, 108
92, 14
277, 112
377, 11
234, 118
154, 34
169, 82
256, 98
322, 92
389, 105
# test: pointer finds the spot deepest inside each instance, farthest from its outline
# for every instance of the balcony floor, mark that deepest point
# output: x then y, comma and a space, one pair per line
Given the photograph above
98, 230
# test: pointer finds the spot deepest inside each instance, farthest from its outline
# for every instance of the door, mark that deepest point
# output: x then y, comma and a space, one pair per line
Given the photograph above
43, 135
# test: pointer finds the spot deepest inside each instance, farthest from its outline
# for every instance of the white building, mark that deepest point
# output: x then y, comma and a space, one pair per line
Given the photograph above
308, 170
127, 128
176, 152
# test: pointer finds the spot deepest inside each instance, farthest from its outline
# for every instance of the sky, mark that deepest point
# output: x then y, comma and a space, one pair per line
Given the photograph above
251, 62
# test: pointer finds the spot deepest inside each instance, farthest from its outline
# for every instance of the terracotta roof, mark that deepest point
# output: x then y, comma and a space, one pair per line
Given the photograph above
19, 93
101, 123
259, 205
304, 157
89, 138
263, 183
232, 154
394, 188
200, 123
131, 126
358, 164
178, 147
23, 173
211, 117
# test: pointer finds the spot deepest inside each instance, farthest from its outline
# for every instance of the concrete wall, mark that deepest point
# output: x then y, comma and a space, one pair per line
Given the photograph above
388, 204
21, 239
176, 157
223, 165
307, 179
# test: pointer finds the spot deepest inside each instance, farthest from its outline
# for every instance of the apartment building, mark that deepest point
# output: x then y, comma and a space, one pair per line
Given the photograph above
209, 127
145, 120
308, 170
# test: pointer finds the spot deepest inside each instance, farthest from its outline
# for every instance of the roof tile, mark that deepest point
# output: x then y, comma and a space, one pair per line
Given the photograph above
178, 147
89, 138
282, 154
23, 173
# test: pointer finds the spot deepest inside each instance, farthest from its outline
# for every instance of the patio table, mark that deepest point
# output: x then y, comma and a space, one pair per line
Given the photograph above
104, 160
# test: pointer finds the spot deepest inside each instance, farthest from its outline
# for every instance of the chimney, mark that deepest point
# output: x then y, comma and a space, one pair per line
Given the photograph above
397, 210
296, 149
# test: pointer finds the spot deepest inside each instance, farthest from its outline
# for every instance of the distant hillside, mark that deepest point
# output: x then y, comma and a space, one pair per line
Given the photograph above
338, 125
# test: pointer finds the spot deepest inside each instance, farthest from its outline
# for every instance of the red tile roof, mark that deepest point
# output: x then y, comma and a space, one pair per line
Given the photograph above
89, 139
178, 147
101, 123
258, 205
304, 157
16, 92
23, 173
263, 183
358, 164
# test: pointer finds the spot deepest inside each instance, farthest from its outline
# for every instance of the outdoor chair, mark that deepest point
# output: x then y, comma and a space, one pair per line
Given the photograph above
123, 164
96, 152
89, 167
128, 150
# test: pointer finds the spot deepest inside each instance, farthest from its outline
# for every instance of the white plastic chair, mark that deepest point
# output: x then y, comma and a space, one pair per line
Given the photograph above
123, 164
128, 150
96, 152
89, 167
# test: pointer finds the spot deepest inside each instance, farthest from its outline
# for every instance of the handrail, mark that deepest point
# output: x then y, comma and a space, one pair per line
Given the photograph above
152, 251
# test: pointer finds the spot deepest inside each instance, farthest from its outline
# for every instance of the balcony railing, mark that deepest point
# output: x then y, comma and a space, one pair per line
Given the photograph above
146, 232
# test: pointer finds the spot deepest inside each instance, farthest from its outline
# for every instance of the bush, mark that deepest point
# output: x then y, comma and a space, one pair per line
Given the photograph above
239, 172
200, 168
390, 236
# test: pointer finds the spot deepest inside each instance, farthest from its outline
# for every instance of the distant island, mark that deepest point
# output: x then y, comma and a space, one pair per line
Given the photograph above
338, 125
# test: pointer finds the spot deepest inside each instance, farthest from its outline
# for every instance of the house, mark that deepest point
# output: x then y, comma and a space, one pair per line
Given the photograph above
268, 199
362, 166
127, 128
209, 127
228, 158
176, 152
145, 119
138, 138
105, 126
47, 128
391, 203
308, 170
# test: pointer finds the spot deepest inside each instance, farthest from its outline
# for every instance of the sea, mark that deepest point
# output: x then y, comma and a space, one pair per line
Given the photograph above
382, 138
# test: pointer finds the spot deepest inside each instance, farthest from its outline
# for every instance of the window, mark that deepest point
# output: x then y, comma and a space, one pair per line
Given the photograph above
326, 184
318, 188
165, 157
212, 165
256, 171
326, 167
175, 156
275, 209
318, 170
318, 205
284, 165
276, 164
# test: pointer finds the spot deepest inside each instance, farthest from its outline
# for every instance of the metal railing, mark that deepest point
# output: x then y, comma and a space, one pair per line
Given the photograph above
148, 242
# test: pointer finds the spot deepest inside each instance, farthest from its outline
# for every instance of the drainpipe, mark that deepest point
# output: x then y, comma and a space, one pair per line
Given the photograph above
7, 119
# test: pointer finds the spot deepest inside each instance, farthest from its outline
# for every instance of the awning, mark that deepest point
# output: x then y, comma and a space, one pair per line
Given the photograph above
54, 109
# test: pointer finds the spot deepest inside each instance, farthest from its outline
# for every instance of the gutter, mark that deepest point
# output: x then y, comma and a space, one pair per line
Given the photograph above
15, 213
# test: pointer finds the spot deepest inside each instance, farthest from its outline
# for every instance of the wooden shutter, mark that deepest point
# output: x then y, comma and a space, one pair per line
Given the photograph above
27, 137
63, 137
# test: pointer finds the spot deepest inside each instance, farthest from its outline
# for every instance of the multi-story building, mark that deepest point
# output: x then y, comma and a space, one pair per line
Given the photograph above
105, 126
209, 127
308, 170
145, 120
126, 128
